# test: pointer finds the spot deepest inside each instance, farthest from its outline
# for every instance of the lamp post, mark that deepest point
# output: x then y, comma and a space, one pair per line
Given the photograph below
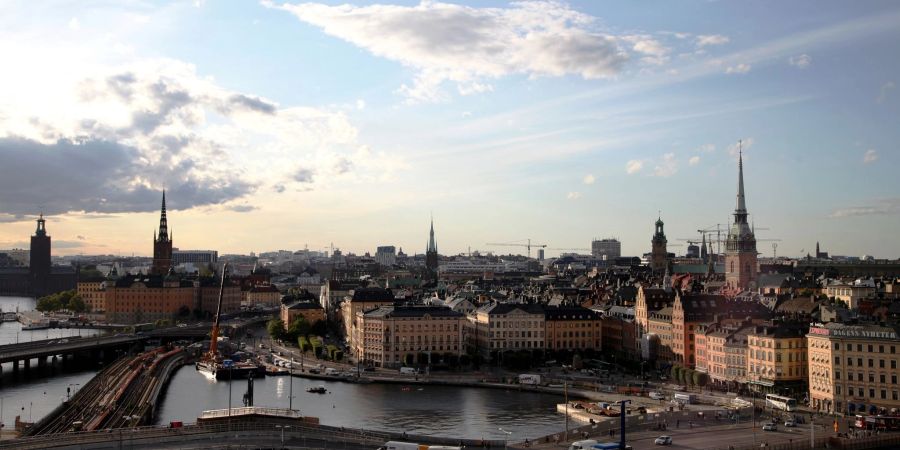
69, 390
282, 427
508, 438
291, 389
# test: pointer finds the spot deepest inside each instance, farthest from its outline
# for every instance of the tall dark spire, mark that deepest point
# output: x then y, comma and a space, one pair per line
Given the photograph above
163, 225
432, 245
741, 204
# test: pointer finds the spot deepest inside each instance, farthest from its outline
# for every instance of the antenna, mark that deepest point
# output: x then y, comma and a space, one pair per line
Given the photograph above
774, 250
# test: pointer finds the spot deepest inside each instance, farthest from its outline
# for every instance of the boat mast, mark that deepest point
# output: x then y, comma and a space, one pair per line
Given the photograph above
214, 334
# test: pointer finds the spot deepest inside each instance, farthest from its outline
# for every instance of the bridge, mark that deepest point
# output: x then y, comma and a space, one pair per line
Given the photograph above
26, 351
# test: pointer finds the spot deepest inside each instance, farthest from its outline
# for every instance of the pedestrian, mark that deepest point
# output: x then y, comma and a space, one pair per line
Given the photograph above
678, 423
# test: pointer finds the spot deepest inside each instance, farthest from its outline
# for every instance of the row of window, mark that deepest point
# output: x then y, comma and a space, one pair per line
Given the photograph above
859, 377
859, 362
861, 393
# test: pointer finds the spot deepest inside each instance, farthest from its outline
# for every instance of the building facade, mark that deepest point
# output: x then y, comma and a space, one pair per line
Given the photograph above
659, 257
572, 328
606, 249
394, 336
853, 368
502, 327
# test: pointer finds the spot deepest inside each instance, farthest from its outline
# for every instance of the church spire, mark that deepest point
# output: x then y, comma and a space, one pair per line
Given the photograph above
432, 246
741, 205
163, 224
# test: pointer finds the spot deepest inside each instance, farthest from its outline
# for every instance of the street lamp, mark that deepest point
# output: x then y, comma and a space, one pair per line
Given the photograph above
508, 438
282, 428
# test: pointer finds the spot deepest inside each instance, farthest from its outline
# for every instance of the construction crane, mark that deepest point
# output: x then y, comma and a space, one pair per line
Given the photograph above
571, 249
527, 245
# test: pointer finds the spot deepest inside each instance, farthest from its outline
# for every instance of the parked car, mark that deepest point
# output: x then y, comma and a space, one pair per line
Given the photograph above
790, 423
657, 395
663, 440
770, 427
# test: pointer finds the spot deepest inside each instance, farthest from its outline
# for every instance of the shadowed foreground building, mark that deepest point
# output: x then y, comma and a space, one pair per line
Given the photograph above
393, 336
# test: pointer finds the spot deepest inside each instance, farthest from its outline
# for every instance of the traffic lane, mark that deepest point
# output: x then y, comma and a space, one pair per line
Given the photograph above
699, 438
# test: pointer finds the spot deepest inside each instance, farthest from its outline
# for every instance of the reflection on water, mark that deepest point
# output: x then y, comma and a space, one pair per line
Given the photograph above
431, 410
34, 393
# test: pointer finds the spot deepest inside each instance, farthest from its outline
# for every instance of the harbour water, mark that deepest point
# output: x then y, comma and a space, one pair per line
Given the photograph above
433, 410
33, 394
472, 413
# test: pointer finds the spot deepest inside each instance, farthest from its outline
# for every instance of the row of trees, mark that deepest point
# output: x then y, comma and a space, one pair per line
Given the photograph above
691, 377
65, 300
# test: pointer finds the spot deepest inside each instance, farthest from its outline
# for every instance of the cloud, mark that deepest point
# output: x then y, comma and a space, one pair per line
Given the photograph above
105, 138
706, 148
667, 166
469, 46
279, 188
704, 40
886, 89
74, 24
882, 207
634, 166
870, 156
52, 177
694, 160
800, 61
738, 69
242, 208
589, 179
304, 175
360, 104
573, 195
81, 238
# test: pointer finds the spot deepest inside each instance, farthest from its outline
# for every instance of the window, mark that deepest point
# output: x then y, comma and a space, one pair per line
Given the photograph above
837, 374
880, 349
870, 348
849, 361
871, 362
871, 377
850, 376
881, 378
871, 393
893, 364
837, 390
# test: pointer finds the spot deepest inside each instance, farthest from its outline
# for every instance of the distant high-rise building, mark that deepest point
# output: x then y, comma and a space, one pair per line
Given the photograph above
195, 257
162, 244
607, 249
386, 255
659, 258
431, 251
39, 267
741, 270
540, 254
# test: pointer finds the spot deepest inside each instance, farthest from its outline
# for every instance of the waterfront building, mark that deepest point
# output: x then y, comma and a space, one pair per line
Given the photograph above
690, 311
394, 336
572, 328
208, 296
162, 244
148, 298
360, 300
501, 327
853, 368
741, 267
331, 295
93, 292
606, 249
618, 335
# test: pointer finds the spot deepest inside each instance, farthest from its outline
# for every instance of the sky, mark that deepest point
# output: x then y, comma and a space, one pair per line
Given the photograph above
287, 125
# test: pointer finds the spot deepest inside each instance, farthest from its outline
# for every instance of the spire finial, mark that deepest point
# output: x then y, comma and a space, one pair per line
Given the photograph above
741, 205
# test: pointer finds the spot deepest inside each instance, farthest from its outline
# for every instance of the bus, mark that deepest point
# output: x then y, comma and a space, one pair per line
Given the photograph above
883, 423
780, 402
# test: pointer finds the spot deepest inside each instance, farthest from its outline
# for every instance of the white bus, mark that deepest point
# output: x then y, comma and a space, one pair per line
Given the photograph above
780, 402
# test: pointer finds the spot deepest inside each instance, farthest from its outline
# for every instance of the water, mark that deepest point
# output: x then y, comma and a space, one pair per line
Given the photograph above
434, 410
40, 390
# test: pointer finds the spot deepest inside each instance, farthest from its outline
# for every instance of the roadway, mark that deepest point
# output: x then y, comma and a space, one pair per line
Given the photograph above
64, 346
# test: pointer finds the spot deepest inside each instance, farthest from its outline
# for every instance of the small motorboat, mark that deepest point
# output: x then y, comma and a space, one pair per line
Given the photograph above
317, 390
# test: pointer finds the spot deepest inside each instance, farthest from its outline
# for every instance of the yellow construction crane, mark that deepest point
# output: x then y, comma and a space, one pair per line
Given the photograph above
527, 245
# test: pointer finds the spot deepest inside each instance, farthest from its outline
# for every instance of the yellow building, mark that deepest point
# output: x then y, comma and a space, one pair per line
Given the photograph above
93, 293
360, 300
394, 336
148, 298
777, 359
502, 327
572, 328
853, 368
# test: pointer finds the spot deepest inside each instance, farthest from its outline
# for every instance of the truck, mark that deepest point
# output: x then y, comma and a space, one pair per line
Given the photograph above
657, 395
408, 371
687, 399
582, 445
530, 378
332, 372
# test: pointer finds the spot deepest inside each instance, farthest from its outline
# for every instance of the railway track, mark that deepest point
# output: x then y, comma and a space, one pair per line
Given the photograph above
121, 395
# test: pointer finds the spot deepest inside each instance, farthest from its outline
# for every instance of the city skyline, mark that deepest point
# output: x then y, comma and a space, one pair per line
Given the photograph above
289, 125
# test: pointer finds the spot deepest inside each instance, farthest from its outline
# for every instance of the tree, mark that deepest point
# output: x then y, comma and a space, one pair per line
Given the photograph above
48, 303
319, 328
299, 327
184, 311
276, 328
76, 304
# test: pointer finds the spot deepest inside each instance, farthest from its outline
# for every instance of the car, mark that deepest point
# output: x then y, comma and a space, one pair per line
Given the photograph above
790, 423
657, 395
770, 427
663, 440
368, 369
63, 341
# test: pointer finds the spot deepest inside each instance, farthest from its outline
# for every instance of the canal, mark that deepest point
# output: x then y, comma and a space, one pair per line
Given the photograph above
465, 412
432, 410
33, 394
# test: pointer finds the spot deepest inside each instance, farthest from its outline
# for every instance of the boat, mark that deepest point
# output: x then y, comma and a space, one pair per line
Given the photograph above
213, 365
8, 317
36, 326
317, 390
